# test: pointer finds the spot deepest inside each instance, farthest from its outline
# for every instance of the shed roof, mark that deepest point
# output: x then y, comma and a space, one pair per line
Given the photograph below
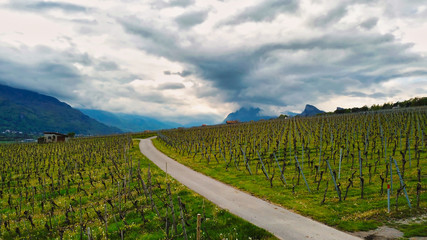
60, 134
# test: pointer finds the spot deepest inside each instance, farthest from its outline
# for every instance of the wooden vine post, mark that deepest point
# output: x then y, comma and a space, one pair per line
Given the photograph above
199, 224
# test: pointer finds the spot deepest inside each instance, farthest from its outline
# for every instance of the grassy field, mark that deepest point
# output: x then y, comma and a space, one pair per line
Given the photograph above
357, 158
102, 188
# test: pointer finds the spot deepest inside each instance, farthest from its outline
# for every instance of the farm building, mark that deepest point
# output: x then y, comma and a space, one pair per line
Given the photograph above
53, 137
232, 122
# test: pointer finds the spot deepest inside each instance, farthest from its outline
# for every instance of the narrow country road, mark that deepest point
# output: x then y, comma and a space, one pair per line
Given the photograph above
277, 220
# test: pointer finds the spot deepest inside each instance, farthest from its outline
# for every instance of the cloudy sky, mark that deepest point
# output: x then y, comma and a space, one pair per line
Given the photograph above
186, 60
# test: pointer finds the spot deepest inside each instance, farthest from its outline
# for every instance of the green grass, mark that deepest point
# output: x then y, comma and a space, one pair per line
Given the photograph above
143, 135
353, 214
413, 230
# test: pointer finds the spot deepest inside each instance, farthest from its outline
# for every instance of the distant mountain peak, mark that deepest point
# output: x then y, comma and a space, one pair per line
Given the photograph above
246, 114
309, 107
310, 110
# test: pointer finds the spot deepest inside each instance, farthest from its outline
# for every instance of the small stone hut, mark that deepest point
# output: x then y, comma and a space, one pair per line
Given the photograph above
54, 137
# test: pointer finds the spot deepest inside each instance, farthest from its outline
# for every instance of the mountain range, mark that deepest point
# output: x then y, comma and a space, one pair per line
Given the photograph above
128, 122
254, 114
246, 115
31, 112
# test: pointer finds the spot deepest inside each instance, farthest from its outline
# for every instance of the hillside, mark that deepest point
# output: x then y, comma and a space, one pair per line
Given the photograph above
128, 122
31, 112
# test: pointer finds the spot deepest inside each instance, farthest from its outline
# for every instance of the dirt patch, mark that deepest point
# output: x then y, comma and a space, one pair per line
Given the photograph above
381, 233
418, 219
385, 233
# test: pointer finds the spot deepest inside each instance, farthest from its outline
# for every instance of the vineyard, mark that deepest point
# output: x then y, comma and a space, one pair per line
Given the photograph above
101, 188
334, 168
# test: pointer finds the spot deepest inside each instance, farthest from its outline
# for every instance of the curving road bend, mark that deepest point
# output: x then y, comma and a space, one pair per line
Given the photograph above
277, 220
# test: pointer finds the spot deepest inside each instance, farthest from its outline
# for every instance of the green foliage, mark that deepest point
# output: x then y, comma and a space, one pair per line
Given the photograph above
413, 102
364, 141
414, 230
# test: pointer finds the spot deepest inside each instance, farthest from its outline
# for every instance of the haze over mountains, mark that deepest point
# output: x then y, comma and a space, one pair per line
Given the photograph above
129, 122
30, 112
137, 123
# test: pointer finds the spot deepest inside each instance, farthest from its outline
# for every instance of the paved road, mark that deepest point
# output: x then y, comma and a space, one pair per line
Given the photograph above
277, 220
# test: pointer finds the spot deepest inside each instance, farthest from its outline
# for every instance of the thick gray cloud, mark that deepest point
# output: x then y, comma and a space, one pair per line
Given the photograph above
172, 3
170, 86
191, 19
55, 76
406, 9
268, 74
184, 73
52, 72
38, 6
236, 72
361, 94
181, 3
56, 10
182, 58
369, 23
107, 66
333, 16
264, 11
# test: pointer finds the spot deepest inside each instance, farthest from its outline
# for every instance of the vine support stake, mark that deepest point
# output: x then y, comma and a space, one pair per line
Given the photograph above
308, 188
281, 171
246, 161
391, 176
388, 198
333, 178
263, 167
199, 224
339, 168
402, 183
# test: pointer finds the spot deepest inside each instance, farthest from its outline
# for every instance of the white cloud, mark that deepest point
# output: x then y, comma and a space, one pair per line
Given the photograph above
220, 55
